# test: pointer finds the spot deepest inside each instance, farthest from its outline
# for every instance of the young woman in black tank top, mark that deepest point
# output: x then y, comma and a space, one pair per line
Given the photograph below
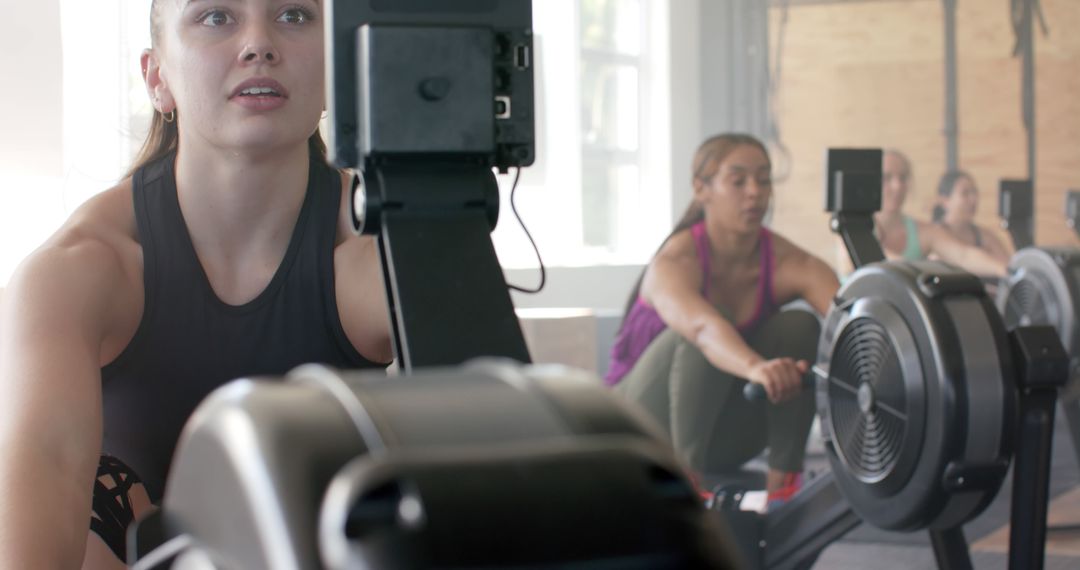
225, 253
958, 201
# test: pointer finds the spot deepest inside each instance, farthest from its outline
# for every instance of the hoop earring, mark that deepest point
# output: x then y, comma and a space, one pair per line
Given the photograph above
169, 117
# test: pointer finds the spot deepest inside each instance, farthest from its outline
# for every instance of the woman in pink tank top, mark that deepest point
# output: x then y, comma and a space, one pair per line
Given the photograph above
704, 319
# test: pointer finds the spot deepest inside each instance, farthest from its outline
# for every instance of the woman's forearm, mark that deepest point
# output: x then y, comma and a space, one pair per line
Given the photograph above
980, 262
725, 348
39, 529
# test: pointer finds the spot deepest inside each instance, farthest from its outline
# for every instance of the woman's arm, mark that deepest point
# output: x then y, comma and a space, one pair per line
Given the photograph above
936, 239
804, 276
995, 247
843, 259
360, 287
672, 285
51, 331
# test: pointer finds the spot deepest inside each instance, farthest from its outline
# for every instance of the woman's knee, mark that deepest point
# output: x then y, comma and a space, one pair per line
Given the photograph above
671, 364
651, 369
688, 362
793, 333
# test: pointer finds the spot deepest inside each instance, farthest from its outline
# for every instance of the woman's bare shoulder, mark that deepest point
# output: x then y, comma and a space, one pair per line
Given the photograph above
95, 246
785, 250
358, 273
676, 265
788, 254
680, 245
991, 233
108, 216
79, 292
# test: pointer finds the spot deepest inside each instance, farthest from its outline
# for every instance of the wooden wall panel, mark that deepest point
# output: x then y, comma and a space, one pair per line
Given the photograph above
1058, 116
872, 74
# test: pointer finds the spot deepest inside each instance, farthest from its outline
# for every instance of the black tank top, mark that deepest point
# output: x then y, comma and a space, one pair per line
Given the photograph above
189, 342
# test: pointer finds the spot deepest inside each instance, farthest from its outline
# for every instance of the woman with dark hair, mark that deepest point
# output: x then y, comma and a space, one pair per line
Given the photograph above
226, 252
958, 200
705, 318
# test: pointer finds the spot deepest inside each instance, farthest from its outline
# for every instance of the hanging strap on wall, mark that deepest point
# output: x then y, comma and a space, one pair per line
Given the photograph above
1022, 14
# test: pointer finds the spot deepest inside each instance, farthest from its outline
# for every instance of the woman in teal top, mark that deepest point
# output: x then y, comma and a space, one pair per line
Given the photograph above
912, 246
903, 237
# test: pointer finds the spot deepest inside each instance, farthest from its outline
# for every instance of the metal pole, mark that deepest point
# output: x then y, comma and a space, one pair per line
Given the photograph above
952, 128
1027, 50
1042, 367
1031, 476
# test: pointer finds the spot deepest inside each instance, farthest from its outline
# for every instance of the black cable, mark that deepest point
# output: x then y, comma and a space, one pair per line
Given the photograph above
543, 272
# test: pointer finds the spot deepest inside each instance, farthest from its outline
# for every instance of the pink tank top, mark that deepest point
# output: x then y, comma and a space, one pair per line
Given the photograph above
642, 325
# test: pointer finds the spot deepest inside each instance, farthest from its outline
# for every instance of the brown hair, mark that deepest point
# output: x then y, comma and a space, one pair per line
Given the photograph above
706, 163
945, 189
163, 136
901, 156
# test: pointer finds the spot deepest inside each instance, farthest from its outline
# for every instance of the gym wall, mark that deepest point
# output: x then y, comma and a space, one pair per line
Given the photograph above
872, 74
31, 129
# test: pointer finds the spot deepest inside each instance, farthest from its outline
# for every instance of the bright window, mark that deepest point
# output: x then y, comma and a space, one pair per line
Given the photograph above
103, 110
106, 108
599, 191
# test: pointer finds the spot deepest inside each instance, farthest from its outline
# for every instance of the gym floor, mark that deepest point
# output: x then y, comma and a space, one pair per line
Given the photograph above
868, 547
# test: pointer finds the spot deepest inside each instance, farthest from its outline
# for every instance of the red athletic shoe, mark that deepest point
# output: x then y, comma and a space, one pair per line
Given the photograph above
791, 485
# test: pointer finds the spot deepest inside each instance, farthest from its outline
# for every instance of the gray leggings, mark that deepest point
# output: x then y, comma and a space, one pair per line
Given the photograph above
713, 428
